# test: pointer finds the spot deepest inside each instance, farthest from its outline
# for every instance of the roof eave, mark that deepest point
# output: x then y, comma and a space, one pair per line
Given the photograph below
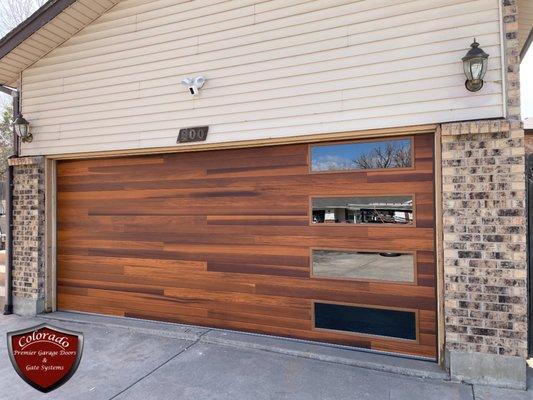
32, 24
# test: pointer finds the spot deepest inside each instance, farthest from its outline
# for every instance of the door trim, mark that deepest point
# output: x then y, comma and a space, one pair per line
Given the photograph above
323, 137
50, 235
439, 248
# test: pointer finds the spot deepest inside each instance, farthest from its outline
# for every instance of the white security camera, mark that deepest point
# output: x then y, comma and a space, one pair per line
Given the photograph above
194, 84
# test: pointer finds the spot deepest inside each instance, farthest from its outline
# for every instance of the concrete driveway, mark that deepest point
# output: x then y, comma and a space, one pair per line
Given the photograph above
131, 359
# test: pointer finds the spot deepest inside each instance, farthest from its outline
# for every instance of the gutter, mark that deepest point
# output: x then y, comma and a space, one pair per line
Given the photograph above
8, 308
7, 90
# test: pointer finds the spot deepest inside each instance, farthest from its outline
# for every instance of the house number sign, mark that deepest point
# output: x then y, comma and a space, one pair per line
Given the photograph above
196, 134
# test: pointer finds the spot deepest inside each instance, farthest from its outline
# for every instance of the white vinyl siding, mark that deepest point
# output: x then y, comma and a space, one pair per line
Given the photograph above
275, 68
74, 18
525, 20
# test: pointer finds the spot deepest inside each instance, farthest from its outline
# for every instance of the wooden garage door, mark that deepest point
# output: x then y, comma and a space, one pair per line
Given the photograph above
257, 239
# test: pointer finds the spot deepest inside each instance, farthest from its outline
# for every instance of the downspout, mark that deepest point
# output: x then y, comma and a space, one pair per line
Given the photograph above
8, 308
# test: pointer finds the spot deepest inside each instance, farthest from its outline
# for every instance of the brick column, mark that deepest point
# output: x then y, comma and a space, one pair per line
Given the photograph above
485, 243
485, 236
28, 235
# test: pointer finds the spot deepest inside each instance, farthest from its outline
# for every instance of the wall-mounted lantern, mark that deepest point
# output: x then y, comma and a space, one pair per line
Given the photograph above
475, 66
22, 129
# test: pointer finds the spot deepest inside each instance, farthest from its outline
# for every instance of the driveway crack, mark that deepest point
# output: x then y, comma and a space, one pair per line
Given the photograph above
158, 367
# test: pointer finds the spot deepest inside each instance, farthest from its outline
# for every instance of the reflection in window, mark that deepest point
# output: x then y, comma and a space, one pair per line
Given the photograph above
363, 210
384, 266
362, 155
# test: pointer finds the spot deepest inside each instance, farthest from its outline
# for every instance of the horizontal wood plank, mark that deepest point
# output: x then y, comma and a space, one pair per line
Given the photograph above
224, 239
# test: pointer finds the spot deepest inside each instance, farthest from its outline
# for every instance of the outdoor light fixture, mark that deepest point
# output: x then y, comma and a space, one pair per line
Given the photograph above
194, 84
22, 129
475, 65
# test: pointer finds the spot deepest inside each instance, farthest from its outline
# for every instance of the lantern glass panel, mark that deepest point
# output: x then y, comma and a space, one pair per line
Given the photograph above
485, 67
468, 71
21, 129
476, 66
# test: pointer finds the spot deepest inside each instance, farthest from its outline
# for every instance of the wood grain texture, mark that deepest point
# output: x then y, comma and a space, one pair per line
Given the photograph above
222, 238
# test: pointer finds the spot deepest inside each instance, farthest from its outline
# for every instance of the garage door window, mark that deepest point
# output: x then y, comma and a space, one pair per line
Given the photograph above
363, 210
362, 265
382, 154
371, 321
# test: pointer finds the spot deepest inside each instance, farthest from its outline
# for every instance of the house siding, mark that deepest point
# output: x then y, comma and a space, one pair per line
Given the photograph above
71, 20
526, 21
274, 68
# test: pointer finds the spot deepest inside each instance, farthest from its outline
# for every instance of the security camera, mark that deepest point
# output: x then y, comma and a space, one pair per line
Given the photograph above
194, 84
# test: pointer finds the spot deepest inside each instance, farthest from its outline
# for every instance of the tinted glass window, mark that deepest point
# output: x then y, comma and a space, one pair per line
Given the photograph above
362, 155
383, 266
371, 321
363, 210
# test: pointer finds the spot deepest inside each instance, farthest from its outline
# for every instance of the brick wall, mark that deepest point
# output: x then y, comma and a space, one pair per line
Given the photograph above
484, 223
512, 58
28, 228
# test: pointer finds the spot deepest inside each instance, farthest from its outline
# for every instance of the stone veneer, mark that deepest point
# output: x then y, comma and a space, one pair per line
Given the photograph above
485, 237
28, 235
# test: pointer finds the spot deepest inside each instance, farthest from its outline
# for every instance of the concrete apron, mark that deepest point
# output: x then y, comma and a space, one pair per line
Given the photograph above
128, 359
299, 348
477, 369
